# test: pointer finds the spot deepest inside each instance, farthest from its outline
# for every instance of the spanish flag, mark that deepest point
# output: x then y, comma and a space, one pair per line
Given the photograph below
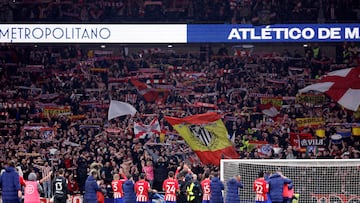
206, 135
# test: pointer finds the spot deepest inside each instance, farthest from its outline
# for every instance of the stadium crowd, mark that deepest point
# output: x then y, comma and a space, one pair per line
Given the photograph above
230, 11
54, 99
54, 103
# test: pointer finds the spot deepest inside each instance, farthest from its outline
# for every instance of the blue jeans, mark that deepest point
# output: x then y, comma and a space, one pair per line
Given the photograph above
47, 188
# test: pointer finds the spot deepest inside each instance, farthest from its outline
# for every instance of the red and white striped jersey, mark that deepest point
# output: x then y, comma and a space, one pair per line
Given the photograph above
260, 188
131, 98
142, 190
205, 185
116, 186
170, 187
45, 171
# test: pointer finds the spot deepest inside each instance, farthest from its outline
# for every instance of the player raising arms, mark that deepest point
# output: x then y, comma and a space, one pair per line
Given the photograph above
205, 186
142, 189
171, 187
260, 188
116, 186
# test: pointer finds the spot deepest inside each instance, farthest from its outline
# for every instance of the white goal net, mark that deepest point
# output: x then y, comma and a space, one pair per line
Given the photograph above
315, 180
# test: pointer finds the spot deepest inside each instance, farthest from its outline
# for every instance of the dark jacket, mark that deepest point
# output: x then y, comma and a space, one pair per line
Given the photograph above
161, 171
182, 195
91, 187
276, 187
232, 193
129, 192
10, 184
216, 187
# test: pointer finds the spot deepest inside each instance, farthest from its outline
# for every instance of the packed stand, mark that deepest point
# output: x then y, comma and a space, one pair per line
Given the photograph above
204, 11
54, 103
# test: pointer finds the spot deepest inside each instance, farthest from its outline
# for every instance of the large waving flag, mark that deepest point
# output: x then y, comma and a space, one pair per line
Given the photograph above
150, 94
141, 130
145, 90
118, 108
207, 136
342, 86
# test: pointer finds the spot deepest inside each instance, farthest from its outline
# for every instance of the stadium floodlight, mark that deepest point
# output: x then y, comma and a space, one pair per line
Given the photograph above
315, 180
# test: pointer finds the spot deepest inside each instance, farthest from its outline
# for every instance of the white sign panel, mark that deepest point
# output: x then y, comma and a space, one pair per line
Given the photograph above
93, 33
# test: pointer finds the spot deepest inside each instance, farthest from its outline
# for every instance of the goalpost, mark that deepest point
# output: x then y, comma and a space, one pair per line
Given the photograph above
315, 180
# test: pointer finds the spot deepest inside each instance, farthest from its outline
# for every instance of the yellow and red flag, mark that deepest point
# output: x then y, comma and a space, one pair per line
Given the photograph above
206, 135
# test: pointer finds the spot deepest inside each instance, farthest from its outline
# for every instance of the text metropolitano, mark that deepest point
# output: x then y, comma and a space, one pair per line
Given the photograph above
58, 33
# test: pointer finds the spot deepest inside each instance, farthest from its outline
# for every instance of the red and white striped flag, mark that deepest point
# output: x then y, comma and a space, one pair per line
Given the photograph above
150, 94
141, 130
243, 50
342, 86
